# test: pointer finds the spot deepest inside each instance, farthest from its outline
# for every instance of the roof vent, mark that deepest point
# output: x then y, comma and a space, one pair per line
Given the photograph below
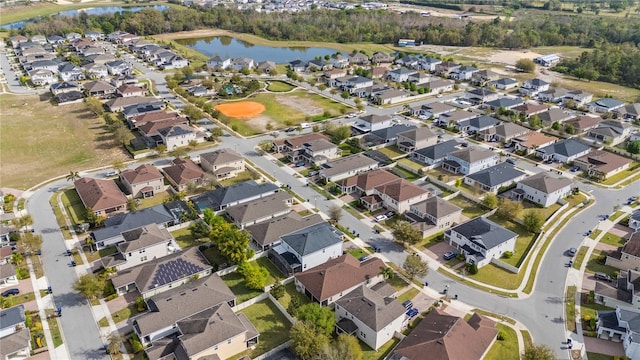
439, 342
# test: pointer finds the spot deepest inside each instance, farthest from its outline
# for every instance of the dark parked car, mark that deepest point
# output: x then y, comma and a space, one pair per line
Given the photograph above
407, 304
450, 255
412, 312
390, 214
10, 292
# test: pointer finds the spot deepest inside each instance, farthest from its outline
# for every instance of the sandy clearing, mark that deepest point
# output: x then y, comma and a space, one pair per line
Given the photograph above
260, 122
306, 106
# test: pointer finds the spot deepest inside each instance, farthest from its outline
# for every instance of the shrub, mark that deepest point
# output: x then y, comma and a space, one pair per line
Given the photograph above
472, 268
22, 273
111, 297
109, 290
507, 254
136, 345
277, 291
140, 304
501, 336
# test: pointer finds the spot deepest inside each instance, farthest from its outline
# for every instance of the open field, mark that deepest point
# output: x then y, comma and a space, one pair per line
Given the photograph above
66, 138
280, 111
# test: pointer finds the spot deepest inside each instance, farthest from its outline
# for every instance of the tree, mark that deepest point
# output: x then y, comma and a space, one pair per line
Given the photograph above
404, 232
192, 112
22, 222
534, 121
94, 105
346, 347
73, 176
335, 213
199, 230
538, 352
306, 340
233, 245
569, 129
415, 266
255, 276
508, 209
345, 95
387, 272
527, 65
338, 133
89, 286
633, 147
320, 316
490, 200
132, 204
30, 242
532, 221
113, 343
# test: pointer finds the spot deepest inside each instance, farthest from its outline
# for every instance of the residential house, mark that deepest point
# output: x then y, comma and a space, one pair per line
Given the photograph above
42, 77
177, 136
563, 151
101, 59
469, 160
370, 315
481, 240
94, 35
150, 130
260, 210
444, 336
345, 167
355, 84
14, 335
627, 257
434, 214
64, 87
6, 253
267, 67
157, 116
434, 154
553, 115
605, 105
386, 136
241, 63
131, 90
612, 132
372, 122
381, 58
503, 133
554, 95
365, 183
482, 77
95, 71
506, 103
218, 63
545, 189
528, 110
44, 65
621, 325
463, 73
480, 95
439, 86
389, 96
8, 275
119, 67
334, 74
55, 40
102, 196
419, 78
268, 233
298, 66
140, 246
73, 36
296, 143
504, 83
445, 68
17, 40
431, 110
397, 195
416, 138
357, 58
400, 75
630, 111
162, 274
316, 152
220, 199
577, 97
534, 86
223, 163
600, 164
500, 176
477, 124
409, 61
429, 64
99, 88
339, 61
144, 181
307, 248
141, 109
332, 280
582, 124
198, 90
5, 234
70, 72
532, 141
163, 216
318, 65
183, 173
451, 119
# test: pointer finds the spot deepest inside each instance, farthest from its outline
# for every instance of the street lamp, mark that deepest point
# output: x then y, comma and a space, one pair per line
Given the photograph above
315, 201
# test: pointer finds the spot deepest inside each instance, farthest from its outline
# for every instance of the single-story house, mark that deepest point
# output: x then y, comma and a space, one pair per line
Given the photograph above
494, 178
345, 167
564, 151
259, 210
602, 164
102, 196
239, 193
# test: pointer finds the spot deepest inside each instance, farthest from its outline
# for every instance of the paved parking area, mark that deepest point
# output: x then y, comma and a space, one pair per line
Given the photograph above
438, 250
602, 346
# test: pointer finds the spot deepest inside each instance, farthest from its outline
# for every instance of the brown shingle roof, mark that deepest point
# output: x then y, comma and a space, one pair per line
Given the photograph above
260, 208
220, 157
546, 183
447, 337
604, 161
632, 246
270, 231
143, 237
534, 138
584, 123
182, 171
99, 194
436, 207
338, 275
298, 141
141, 174
369, 180
153, 128
124, 89
155, 116
401, 190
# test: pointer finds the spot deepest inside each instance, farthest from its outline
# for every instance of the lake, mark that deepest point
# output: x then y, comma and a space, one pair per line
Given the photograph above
88, 11
226, 46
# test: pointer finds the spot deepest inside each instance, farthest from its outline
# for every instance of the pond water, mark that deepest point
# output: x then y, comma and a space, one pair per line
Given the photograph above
88, 11
229, 47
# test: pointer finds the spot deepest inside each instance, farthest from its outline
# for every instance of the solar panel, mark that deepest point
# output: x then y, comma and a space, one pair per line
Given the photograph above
174, 270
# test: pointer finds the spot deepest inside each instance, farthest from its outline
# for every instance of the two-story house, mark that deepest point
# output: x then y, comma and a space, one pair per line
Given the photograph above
356, 84
435, 214
385, 137
345, 167
316, 152
480, 240
141, 245
463, 73
177, 136
260, 210
15, 337
103, 197
268, 233
470, 160
605, 105
372, 122
502, 133
451, 119
494, 178
477, 124
307, 248
480, 95
397, 195
365, 183
218, 63
223, 163
400, 75
504, 83
184, 172
621, 325
144, 181
431, 110
531, 141
627, 256
416, 138
534, 86
544, 189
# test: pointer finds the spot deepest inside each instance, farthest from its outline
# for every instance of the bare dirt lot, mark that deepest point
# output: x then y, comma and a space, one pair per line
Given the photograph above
39, 141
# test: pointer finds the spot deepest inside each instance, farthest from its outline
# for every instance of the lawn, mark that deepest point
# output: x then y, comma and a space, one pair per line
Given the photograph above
291, 292
157, 199
579, 258
74, 207
280, 86
594, 265
65, 138
523, 242
616, 215
630, 174
505, 349
213, 256
272, 325
492, 275
392, 152
432, 240
235, 281
54, 327
405, 174
594, 356
370, 354
408, 295
358, 253
120, 315
274, 273
445, 175
240, 177
594, 234
612, 239
544, 213
93, 256
60, 219
183, 238
590, 309
397, 283
411, 164
570, 308
470, 209
22, 298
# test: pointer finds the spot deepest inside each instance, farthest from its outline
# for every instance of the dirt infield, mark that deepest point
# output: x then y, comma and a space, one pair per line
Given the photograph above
241, 109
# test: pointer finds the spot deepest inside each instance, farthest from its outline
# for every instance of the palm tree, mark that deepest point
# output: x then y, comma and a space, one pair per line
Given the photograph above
73, 176
387, 272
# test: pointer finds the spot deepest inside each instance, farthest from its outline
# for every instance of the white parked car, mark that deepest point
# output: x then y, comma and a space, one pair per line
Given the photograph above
380, 218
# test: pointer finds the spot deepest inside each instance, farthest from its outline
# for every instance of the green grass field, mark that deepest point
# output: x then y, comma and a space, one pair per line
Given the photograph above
280, 86
235, 282
506, 349
272, 325
470, 209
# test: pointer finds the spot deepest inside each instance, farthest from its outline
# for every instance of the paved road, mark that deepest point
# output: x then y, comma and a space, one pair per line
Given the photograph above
12, 82
80, 332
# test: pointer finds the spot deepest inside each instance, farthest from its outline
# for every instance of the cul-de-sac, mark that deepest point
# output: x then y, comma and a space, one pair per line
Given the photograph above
320, 180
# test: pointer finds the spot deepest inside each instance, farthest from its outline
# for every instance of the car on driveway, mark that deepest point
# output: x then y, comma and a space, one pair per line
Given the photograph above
602, 276
351, 116
407, 304
572, 251
10, 292
412, 313
449, 255
390, 214
380, 218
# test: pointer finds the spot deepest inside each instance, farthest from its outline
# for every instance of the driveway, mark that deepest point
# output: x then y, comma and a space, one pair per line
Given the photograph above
602, 346
437, 251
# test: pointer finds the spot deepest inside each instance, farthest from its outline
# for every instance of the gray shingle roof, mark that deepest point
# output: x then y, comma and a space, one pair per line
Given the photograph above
485, 233
472, 154
568, 147
496, 175
260, 208
391, 132
270, 231
505, 102
313, 238
373, 309
12, 316
546, 183
158, 214
436, 207
438, 151
216, 199
220, 156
